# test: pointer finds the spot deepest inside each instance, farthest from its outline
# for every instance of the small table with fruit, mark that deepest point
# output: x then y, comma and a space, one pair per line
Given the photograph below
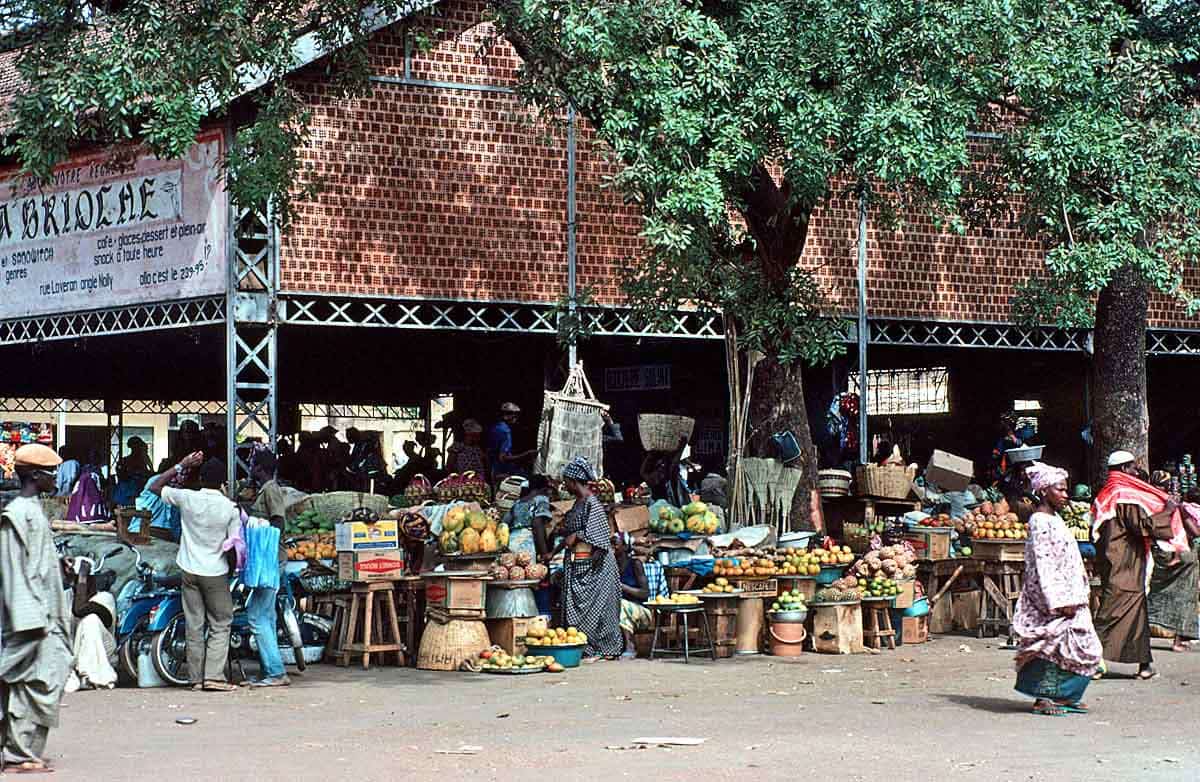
684, 607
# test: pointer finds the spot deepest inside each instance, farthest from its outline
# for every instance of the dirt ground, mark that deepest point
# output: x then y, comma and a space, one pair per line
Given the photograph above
919, 713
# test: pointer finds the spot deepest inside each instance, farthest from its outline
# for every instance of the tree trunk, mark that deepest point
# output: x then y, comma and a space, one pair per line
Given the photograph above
776, 404
1120, 417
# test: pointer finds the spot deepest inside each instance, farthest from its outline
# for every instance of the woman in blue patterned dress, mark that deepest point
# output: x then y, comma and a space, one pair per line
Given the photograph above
591, 593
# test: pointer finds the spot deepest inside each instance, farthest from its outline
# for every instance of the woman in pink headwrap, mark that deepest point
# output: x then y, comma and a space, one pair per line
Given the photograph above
1058, 649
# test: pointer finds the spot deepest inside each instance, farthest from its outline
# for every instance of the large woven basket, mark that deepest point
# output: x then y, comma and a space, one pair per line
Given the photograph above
888, 481
662, 432
337, 504
444, 646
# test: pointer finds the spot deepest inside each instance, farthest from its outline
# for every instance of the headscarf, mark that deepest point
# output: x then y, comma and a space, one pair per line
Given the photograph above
580, 469
1042, 476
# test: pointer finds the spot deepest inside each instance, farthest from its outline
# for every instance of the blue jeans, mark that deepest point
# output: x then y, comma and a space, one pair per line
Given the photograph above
260, 610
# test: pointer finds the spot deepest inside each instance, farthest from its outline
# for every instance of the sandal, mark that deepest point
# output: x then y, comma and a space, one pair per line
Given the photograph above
1147, 674
1048, 709
1072, 708
212, 685
30, 767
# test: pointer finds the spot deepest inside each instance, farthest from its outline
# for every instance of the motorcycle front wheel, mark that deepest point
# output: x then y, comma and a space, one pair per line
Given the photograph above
127, 656
169, 653
292, 630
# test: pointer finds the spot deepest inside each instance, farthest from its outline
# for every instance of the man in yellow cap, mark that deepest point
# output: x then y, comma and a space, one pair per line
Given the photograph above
35, 646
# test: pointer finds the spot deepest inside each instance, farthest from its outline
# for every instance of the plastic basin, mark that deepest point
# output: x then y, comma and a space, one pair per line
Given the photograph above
830, 574
920, 607
566, 656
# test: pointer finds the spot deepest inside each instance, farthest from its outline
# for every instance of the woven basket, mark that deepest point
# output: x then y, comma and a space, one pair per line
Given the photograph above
662, 432
338, 504
444, 646
888, 481
833, 483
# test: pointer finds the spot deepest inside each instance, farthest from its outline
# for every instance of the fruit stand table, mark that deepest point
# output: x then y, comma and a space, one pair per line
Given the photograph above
410, 591
933, 574
858, 510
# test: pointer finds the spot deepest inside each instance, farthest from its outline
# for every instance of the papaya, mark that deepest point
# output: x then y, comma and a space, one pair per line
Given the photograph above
502, 535
478, 521
448, 542
694, 509
491, 526
454, 520
488, 542
469, 541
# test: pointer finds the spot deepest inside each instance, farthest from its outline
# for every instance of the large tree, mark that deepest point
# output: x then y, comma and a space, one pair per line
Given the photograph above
1105, 153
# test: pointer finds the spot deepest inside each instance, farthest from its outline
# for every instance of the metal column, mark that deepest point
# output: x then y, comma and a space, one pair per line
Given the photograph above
863, 330
251, 328
571, 282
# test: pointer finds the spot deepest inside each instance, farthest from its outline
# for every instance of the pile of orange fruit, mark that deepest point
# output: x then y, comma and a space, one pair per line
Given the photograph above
745, 567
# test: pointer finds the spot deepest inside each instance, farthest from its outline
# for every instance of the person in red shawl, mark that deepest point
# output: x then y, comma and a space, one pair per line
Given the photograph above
1130, 515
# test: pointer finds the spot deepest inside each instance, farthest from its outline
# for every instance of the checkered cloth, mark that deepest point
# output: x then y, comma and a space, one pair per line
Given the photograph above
656, 579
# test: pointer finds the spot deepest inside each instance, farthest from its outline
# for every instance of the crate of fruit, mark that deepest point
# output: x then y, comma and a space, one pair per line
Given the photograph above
999, 551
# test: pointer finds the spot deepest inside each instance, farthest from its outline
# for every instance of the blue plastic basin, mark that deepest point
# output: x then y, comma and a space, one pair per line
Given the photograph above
566, 656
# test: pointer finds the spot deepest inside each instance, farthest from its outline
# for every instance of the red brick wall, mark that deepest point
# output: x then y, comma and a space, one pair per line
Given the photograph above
444, 193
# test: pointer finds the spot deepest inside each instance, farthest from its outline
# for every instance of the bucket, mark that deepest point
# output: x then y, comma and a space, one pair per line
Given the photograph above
788, 446
507, 603
147, 674
787, 639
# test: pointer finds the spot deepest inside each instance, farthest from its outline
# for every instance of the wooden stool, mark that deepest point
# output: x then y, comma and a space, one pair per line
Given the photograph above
370, 625
998, 598
336, 603
877, 624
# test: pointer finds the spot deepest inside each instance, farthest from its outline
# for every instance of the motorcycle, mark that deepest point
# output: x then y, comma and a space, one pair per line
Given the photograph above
169, 652
144, 607
84, 576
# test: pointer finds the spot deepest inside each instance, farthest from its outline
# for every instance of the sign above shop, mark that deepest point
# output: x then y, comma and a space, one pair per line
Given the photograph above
645, 377
109, 232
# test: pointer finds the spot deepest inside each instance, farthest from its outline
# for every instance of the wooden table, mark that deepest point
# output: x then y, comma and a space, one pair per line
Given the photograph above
1001, 583
933, 575
410, 590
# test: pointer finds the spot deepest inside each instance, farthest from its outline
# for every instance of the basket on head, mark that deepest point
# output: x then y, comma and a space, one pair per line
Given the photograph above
662, 432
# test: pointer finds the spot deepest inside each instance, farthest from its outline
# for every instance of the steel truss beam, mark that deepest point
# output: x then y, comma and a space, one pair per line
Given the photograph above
490, 316
251, 332
975, 335
117, 320
128, 407
373, 412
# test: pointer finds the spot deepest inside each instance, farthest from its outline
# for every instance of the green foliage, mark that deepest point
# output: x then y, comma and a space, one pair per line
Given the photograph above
731, 122
154, 71
1105, 151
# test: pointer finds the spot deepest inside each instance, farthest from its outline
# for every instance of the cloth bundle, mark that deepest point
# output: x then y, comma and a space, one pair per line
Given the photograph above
262, 554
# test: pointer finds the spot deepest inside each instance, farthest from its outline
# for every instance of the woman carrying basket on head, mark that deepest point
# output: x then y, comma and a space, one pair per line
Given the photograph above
591, 592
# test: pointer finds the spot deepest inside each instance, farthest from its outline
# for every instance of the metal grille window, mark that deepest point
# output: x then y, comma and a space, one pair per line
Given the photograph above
906, 391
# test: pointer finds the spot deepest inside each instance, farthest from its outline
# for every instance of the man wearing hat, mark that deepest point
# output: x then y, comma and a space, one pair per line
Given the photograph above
1129, 516
35, 649
500, 444
95, 648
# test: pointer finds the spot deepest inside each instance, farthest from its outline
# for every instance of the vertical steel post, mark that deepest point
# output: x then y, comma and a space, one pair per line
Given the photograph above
572, 353
863, 333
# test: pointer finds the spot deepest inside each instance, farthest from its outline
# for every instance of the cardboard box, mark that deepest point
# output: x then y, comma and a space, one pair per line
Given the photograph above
914, 629
460, 592
930, 545
632, 518
509, 634
949, 472
370, 565
383, 535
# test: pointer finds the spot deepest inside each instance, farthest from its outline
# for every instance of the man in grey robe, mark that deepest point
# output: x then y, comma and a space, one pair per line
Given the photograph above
35, 640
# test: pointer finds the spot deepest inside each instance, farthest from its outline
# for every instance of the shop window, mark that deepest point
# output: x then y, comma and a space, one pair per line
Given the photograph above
924, 391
